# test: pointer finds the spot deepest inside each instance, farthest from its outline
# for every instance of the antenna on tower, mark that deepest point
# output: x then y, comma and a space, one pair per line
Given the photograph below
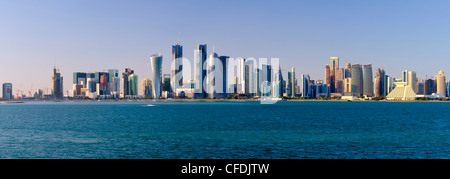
178, 39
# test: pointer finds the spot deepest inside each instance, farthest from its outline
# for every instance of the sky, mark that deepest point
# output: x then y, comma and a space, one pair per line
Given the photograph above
96, 35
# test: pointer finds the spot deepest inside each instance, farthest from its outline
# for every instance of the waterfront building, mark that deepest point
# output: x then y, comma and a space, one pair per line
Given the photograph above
368, 81
166, 83
334, 65
327, 75
126, 83
278, 83
224, 61
389, 84
200, 71
410, 78
339, 80
240, 74
357, 80
156, 63
146, 88
440, 83
291, 83
348, 85
250, 78
428, 87
265, 80
7, 91
305, 87
213, 77
114, 82
378, 84
448, 89
133, 81
402, 91
348, 71
57, 84
177, 67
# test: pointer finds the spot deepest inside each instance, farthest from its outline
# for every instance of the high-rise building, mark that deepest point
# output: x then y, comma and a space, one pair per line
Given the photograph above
334, 65
378, 86
156, 62
410, 78
213, 76
278, 83
348, 85
224, 61
114, 81
57, 84
265, 80
200, 71
291, 83
240, 74
357, 80
7, 91
448, 88
126, 81
133, 81
305, 86
327, 75
348, 71
428, 87
166, 83
146, 88
250, 78
339, 81
440, 83
177, 67
368, 81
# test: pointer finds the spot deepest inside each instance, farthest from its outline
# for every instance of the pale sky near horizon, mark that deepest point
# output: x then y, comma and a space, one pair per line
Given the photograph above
96, 35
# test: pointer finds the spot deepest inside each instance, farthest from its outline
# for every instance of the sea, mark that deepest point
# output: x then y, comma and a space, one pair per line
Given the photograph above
225, 130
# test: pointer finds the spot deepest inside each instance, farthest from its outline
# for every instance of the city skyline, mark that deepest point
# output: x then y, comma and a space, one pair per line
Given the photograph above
115, 35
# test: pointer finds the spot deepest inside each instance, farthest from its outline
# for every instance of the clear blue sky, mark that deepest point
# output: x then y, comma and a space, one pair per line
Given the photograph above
93, 35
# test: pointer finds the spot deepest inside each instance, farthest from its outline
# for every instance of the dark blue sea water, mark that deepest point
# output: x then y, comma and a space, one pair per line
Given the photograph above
225, 129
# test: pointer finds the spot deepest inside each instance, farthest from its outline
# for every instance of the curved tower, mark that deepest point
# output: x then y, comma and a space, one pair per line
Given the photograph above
156, 62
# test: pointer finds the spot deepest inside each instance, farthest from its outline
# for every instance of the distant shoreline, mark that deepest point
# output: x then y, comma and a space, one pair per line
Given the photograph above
211, 100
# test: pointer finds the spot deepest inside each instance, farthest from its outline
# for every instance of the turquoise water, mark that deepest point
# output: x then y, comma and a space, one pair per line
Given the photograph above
225, 129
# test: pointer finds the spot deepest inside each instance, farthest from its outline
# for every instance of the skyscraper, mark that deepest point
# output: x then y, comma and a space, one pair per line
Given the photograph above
348, 71
7, 91
200, 72
126, 82
291, 83
57, 85
241, 75
334, 65
224, 61
357, 80
440, 83
410, 78
177, 67
156, 62
305, 87
146, 88
133, 78
378, 82
327, 75
114, 81
213, 76
368, 81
